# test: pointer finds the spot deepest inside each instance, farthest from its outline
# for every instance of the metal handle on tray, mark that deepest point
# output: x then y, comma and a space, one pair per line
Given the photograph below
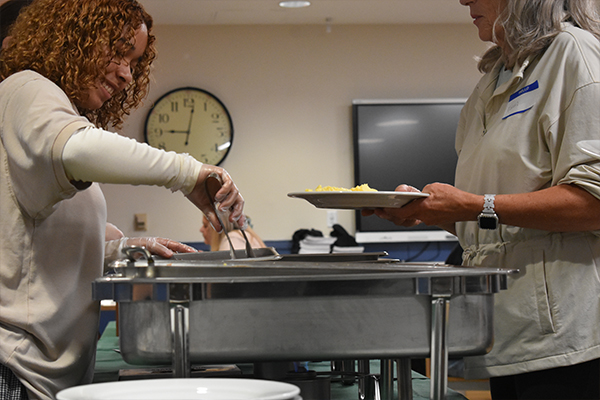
131, 251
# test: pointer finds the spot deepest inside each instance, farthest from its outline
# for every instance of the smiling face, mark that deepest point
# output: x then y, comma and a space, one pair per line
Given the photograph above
118, 73
484, 14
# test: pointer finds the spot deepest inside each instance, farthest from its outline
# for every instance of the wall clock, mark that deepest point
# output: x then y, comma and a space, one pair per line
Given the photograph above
190, 120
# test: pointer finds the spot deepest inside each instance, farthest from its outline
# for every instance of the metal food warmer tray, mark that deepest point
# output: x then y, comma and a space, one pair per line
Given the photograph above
202, 309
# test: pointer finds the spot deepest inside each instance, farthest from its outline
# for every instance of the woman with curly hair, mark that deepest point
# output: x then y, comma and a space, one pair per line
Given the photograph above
70, 70
527, 194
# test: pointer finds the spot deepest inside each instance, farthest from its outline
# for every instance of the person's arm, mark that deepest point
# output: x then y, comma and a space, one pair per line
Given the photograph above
96, 155
112, 232
562, 208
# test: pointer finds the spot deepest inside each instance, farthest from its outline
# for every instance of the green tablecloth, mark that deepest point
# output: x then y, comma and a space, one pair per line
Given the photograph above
109, 362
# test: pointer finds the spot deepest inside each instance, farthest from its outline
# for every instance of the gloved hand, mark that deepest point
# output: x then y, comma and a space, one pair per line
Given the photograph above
228, 198
112, 232
159, 246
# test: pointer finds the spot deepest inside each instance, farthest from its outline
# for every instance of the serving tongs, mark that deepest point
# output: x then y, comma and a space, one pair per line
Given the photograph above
249, 250
212, 185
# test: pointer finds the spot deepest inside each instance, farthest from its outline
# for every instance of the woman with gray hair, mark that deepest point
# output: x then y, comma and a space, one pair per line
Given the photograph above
527, 194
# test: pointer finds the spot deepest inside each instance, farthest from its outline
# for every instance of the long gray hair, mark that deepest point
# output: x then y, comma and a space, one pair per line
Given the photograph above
530, 26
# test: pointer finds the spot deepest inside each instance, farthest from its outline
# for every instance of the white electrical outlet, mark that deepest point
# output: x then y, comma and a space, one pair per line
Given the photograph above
331, 218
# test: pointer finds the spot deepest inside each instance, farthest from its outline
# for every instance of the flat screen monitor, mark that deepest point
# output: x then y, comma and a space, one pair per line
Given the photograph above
403, 141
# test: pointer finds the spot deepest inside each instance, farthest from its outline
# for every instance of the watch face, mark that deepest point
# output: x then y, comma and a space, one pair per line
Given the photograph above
193, 121
487, 221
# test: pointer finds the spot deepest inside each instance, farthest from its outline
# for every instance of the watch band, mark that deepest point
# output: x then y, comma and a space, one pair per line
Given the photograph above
488, 218
488, 203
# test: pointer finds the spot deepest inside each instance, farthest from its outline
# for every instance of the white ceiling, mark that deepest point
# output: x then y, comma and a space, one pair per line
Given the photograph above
222, 12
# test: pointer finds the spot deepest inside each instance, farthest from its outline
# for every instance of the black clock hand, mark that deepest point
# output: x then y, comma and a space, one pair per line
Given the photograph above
187, 133
187, 138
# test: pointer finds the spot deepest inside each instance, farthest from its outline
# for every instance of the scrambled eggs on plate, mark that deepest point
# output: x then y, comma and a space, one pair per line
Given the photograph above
360, 188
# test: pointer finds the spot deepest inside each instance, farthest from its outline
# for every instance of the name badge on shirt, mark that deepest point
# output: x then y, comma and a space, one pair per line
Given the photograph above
523, 100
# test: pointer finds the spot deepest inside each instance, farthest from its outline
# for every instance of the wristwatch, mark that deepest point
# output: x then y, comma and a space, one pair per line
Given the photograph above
488, 218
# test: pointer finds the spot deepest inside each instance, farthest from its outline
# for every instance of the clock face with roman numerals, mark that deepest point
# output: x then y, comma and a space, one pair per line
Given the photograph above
190, 120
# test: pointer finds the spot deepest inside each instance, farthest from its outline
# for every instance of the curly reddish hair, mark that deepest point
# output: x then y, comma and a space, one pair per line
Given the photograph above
71, 42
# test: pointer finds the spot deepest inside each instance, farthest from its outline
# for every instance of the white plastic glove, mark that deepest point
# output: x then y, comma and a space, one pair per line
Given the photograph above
228, 197
112, 232
160, 246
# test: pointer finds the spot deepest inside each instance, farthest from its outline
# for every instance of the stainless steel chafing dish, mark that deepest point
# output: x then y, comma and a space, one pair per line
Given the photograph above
288, 308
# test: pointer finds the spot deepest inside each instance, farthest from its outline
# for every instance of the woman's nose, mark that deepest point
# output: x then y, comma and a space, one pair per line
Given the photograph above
124, 72
465, 2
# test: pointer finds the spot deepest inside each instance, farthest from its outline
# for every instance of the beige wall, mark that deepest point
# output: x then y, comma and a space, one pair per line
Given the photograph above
289, 90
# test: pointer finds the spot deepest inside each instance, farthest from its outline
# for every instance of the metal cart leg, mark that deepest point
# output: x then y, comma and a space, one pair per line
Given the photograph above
180, 334
439, 347
404, 374
365, 386
386, 381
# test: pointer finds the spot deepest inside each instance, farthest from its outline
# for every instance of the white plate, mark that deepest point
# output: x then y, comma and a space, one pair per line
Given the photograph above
184, 389
358, 200
590, 147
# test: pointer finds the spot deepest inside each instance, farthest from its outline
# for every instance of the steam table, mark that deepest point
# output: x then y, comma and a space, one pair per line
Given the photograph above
251, 311
109, 363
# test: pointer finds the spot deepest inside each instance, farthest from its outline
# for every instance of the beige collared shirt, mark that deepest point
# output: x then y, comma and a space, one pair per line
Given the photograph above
519, 137
51, 242
52, 233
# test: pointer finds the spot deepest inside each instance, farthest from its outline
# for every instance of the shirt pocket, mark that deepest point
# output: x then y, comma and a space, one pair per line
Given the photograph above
543, 300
